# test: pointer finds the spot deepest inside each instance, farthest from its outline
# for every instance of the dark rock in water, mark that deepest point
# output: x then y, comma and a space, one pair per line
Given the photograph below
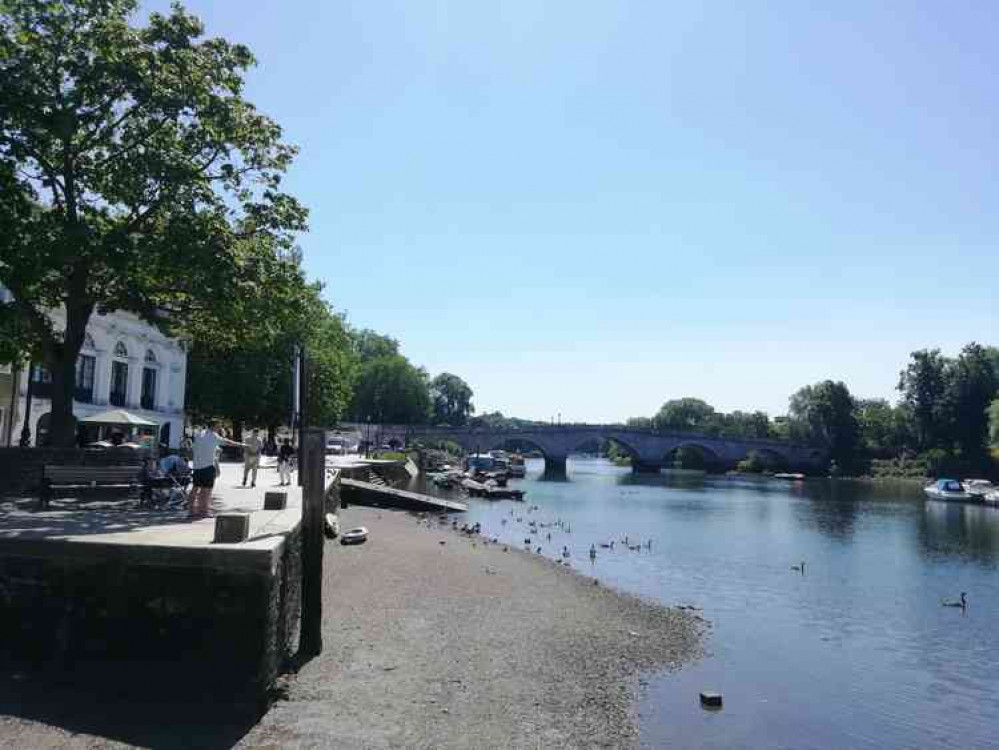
711, 700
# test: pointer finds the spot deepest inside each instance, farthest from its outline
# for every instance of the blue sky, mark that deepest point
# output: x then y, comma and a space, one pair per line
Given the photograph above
592, 207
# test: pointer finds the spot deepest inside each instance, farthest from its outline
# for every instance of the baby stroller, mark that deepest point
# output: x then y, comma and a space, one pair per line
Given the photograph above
166, 489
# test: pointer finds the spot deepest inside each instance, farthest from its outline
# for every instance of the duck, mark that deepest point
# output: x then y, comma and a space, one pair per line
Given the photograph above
962, 602
799, 568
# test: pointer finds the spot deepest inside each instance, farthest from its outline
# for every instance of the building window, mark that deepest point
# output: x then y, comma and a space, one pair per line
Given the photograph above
41, 381
120, 350
119, 383
84, 390
148, 388
150, 356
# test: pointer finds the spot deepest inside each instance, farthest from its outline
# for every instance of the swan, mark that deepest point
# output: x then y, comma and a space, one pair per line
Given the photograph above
962, 603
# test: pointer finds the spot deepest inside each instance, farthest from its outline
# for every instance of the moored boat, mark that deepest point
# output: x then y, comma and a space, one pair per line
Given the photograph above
978, 487
991, 498
948, 489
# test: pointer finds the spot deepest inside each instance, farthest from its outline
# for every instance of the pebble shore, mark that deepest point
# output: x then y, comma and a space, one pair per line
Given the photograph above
437, 639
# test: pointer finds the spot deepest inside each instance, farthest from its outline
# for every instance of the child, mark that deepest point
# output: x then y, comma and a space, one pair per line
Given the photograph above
284, 462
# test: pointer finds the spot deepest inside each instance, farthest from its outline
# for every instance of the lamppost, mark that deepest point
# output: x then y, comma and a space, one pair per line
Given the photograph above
26, 428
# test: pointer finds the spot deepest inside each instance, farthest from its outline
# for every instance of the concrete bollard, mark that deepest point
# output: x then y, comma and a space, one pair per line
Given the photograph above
232, 528
275, 500
711, 700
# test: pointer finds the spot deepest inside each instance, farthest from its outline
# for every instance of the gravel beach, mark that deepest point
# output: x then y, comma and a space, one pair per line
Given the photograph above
461, 644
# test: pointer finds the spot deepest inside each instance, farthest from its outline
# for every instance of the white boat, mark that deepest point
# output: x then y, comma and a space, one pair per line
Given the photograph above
991, 498
947, 489
978, 487
354, 536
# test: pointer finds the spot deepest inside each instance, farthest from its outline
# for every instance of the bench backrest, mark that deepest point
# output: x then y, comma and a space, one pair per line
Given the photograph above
90, 474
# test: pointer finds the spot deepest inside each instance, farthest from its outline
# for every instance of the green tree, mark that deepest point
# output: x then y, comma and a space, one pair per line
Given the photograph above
452, 399
923, 385
994, 422
691, 414
884, 429
370, 345
639, 423
740, 424
825, 414
134, 176
391, 390
971, 387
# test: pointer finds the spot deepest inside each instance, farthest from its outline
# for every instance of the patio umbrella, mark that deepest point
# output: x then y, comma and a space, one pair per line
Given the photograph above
118, 417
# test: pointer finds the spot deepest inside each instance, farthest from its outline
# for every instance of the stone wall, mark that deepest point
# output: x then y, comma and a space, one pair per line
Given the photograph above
21, 468
167, 619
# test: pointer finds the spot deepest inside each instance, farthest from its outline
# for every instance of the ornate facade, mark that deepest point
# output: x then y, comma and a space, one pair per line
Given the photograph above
125, 363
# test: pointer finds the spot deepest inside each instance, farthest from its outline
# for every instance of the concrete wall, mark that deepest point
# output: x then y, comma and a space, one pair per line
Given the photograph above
190, 619
21, 468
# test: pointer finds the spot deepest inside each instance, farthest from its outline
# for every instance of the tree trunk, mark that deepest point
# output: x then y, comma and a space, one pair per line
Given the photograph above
61, 360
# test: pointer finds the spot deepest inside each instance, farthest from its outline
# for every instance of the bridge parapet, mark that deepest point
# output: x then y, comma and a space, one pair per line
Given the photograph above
648, 447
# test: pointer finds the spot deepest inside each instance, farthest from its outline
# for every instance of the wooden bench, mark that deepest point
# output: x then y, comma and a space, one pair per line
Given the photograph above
79, 479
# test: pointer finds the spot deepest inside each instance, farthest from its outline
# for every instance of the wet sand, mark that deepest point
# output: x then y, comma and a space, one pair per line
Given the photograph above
465, 645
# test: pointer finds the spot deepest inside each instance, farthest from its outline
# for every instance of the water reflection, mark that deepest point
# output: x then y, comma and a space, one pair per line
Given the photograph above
959, 529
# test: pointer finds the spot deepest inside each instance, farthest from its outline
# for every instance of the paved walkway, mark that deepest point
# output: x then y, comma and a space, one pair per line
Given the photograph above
126, 523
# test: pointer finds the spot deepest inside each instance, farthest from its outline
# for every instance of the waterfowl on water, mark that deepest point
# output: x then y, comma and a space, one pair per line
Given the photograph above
962, 602
799, 568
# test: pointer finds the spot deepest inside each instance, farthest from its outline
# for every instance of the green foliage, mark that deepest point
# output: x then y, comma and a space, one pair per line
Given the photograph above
971, 386
639, 423
923, 383
757, 462
994, 422
133, 176
452, 400
825, 414
390, 390
687, 414
884, 429
369, 345
617, 454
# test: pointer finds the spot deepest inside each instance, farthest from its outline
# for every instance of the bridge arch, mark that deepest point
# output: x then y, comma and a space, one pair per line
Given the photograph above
625, 445
690, 454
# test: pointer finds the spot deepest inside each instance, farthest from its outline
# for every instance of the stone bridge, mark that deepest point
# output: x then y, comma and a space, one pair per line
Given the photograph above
649, 450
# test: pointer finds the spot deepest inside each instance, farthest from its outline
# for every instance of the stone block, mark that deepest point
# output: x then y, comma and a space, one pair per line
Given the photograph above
232, 528
275, 500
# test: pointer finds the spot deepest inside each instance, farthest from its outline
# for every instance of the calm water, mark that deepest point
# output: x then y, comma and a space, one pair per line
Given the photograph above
857, 653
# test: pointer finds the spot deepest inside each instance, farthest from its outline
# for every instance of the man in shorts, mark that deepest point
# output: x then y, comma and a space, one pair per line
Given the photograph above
206, 445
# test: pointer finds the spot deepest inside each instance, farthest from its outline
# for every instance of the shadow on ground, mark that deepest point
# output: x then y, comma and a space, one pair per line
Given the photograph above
155, 717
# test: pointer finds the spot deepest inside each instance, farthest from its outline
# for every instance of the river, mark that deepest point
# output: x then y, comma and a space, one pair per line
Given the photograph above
856, 653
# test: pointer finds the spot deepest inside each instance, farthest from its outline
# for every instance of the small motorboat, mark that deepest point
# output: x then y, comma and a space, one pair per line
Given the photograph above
947, 489
354, 536
790, 477
978, 487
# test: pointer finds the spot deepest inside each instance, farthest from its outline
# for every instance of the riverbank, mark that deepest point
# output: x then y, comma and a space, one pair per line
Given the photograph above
464, 644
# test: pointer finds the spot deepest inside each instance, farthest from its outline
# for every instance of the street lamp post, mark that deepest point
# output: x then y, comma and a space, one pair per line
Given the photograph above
26, 428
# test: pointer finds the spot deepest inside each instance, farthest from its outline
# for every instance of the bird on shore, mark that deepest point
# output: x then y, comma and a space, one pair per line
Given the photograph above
799, 568
961, 603
565, 552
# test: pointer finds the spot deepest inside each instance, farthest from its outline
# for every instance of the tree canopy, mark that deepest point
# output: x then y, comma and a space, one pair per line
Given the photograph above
452, 400
134, 175
825, 414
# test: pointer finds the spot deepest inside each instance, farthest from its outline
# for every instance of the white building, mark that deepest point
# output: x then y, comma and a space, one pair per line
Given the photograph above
125, 363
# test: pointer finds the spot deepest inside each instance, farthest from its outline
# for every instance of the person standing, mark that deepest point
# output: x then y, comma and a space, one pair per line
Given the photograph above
206, 446
251, 457
285, 454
